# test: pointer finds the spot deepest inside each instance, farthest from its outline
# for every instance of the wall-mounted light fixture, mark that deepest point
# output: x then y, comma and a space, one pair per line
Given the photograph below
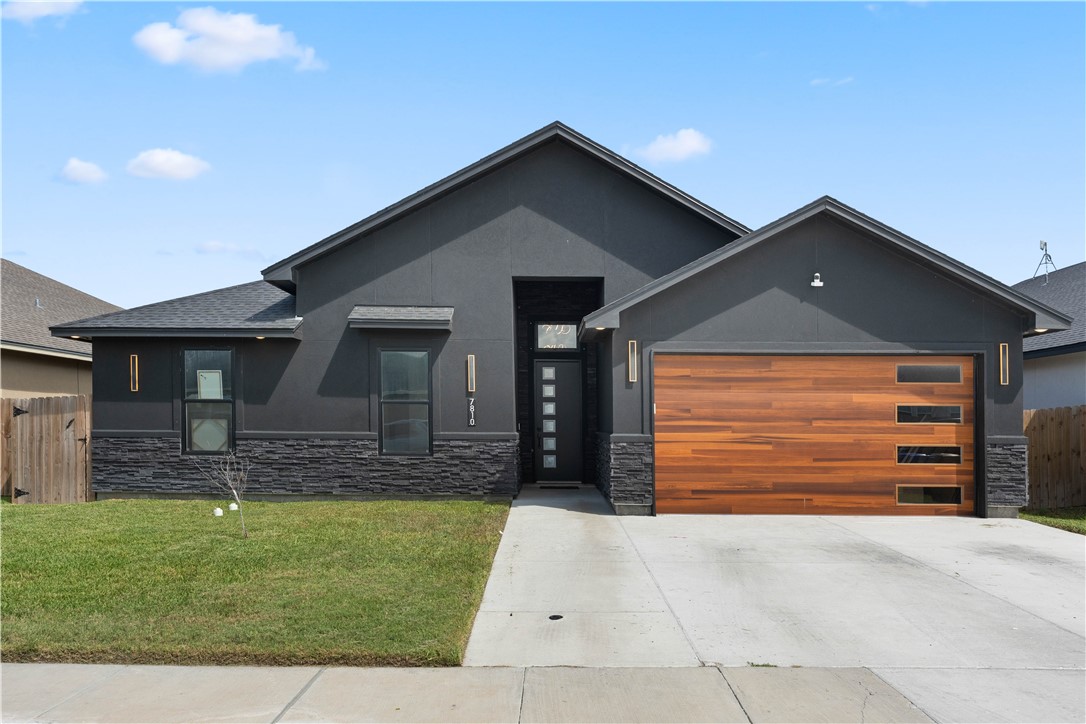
631, 361
817, 281
600, 329
260, 338
134, 372
471, 373
1004, 363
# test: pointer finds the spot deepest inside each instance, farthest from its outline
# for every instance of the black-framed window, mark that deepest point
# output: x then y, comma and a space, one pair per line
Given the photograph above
405, 401
207, 408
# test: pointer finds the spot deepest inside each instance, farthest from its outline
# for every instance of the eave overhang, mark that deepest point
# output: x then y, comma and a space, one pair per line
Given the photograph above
89, 333
45, 351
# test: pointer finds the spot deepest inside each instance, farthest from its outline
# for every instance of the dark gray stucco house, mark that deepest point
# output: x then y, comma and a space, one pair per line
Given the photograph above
555, 314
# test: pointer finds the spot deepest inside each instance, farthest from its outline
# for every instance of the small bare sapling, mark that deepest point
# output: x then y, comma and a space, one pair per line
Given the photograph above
229, 474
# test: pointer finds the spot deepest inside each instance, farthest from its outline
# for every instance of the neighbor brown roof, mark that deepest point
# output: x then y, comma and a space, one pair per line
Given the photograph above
30, 303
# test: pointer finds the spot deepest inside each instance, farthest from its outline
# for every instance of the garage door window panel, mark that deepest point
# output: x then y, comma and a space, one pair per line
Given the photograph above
929, 454
929, 495
928, 374
929, 414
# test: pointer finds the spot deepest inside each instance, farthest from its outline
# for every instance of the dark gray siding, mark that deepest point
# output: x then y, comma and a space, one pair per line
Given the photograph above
874, 300
555, 213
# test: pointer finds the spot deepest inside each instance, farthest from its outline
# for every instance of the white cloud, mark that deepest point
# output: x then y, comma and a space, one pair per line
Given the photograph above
82, 172
222, 41
679, 146
27, 11
831, 82
167, 163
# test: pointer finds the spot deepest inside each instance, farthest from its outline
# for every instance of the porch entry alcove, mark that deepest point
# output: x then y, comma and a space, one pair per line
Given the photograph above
557, 396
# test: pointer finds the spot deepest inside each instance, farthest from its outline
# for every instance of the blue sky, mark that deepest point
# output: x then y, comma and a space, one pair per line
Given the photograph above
152, 150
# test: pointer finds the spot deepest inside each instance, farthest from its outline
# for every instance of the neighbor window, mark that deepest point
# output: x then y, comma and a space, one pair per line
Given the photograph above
208, 404
405, 401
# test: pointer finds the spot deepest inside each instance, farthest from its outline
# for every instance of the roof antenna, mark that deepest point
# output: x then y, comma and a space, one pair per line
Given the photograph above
1046, 261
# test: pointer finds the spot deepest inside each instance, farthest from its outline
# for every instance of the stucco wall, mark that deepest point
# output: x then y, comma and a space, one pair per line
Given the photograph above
23, 374
555, 213
1057, 381
874, 299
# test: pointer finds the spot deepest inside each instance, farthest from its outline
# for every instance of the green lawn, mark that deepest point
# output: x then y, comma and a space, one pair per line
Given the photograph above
1072, 519
153, 581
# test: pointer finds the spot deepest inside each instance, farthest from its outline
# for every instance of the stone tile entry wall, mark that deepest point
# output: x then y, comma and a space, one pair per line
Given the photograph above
624, 472
1006, 477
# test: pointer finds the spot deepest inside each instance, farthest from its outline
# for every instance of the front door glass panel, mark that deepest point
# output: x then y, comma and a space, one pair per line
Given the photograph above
558, 447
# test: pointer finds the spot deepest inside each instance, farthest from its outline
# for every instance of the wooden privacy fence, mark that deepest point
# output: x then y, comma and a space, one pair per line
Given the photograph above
46, 449
1057, 466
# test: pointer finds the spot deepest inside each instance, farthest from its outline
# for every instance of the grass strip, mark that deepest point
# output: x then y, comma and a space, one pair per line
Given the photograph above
318, 583
1072, 519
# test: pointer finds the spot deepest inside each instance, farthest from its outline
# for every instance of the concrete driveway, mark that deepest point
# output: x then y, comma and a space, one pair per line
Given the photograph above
970, 619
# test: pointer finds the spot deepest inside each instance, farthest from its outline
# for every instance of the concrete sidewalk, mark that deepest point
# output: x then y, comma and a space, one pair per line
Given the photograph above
103, 693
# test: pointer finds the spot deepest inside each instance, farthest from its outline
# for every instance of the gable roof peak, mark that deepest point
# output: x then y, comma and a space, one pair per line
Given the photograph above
282, 273
608, 316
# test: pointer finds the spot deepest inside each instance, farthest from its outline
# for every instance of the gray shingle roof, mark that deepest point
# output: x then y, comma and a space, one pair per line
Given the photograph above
1065, 291
253, 309
370, 317
30, 303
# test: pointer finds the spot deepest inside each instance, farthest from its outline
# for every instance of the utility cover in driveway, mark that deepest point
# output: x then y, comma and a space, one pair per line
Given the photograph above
821, 434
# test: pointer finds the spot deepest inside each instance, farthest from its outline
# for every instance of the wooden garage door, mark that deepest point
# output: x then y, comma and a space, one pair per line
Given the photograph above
817, 434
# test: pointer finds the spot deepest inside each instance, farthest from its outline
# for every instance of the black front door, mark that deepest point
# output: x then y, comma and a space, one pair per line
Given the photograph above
557, 400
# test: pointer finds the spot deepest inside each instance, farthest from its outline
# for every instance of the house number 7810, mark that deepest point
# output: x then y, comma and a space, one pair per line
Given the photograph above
471, 412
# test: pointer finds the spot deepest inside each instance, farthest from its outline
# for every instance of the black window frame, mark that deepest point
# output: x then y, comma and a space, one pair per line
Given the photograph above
381, 402
186, 401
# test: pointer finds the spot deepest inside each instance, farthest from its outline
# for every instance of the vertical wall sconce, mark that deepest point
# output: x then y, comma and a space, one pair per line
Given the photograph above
471, 373
1004, 363
134, 372
631, 361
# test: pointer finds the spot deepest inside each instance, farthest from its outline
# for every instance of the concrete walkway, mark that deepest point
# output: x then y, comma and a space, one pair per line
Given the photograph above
87, 693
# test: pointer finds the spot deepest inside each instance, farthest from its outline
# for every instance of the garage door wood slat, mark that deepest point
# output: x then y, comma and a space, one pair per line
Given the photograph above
802, 434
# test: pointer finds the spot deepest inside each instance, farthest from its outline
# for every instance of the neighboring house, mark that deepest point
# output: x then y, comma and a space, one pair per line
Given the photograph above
555, 314
1055, 363
33, 363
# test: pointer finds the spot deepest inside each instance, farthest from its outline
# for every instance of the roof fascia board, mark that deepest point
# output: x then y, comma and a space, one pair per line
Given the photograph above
45, 351
282, 272
1055, 351
1044, 316
91, 332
